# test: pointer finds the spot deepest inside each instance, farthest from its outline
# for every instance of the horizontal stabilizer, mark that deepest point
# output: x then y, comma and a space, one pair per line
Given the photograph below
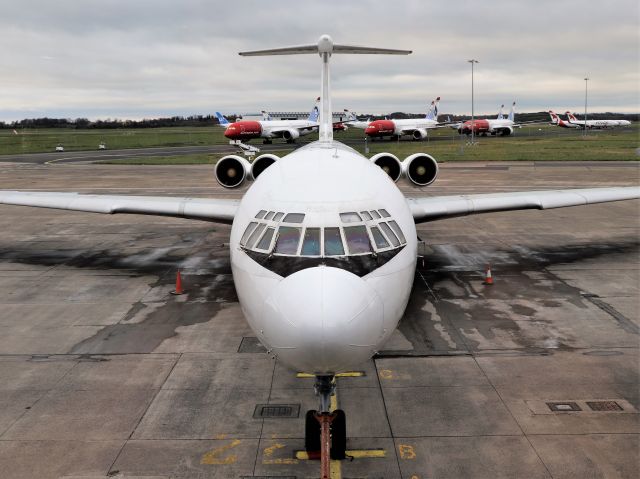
342, 49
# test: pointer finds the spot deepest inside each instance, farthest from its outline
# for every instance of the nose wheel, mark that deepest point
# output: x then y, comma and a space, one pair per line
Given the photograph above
325, 432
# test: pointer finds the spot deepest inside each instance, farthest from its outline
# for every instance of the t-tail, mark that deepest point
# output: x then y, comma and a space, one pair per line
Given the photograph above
221, 119
325, 48
432, 114
314, 113
500, 113
512, 113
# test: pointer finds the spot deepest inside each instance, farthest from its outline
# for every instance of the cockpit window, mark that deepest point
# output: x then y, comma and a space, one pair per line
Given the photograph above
288, 239
261, 214
375, 214
247, 232
278, 215
294, 218
311, 242
381, 242
366, 215
269, 215
396, 229
265, 242
384, 213
333, 242
390, 234
255, 235
351, 217
357, 239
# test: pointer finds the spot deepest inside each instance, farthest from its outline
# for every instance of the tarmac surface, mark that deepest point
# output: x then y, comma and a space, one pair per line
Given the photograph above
103, 373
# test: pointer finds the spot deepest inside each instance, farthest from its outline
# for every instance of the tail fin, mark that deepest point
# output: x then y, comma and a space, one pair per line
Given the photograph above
221, 119
500, 113
351, 116
571, 116
555, 119
314, 113
432, 114
266, 116
325, 47
512, 113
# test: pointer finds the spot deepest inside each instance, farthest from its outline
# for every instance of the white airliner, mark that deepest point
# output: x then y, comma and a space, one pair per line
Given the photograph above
556, 120
323, 244
500, 126
595, 124
268, 129
415, 127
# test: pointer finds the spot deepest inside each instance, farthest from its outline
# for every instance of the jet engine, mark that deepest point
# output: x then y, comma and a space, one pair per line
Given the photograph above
261, 163
506, 131
290, 135
419, 134
390, 164
420, 168
232, 170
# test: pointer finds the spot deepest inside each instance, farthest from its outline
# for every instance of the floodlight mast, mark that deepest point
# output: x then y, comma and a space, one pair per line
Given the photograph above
325, 48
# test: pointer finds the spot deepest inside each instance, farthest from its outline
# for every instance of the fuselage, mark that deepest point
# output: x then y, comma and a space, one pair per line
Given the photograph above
503, 126
247, 129
380, 128
600, 123
323, 253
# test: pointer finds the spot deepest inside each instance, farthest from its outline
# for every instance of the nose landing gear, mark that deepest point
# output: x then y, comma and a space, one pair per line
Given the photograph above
325, 435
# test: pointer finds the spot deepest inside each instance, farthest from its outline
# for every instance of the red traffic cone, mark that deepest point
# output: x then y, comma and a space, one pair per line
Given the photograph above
178, 289
488, 279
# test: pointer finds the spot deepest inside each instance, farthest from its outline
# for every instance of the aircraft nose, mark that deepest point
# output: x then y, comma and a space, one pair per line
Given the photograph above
323, 320
371, 129
230, 131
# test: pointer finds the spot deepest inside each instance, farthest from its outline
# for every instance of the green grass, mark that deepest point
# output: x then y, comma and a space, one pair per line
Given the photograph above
551, 143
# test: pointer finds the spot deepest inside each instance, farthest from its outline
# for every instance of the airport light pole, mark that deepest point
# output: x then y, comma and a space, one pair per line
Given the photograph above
472, 61
586, 82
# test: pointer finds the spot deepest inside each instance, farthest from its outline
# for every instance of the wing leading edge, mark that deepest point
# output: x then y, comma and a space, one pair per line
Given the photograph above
441, 207
207, 209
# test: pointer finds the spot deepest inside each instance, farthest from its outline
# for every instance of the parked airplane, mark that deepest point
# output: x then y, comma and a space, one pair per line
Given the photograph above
596, 124
556, 120
268, 129
352, 120
499, 126
417, 128
323, 244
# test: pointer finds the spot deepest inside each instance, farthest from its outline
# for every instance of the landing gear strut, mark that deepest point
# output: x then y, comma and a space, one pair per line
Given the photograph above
325, 435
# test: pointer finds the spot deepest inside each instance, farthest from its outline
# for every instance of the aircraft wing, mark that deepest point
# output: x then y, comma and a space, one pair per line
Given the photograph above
207, 209
442, 207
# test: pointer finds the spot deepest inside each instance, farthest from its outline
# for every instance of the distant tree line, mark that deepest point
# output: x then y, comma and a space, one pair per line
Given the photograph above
208, 120
86, 124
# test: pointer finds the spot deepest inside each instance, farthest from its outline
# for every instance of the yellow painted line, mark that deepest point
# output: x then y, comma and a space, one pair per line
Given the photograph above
334, 403
213, 457
356, 454
335, 470
351, 374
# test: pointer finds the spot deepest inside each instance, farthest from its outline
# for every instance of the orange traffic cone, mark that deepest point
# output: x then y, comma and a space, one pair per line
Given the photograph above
178, 289
488, 279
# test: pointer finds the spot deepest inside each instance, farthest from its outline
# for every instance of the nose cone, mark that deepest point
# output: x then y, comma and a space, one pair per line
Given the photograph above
323, 320
371, 129
231, 131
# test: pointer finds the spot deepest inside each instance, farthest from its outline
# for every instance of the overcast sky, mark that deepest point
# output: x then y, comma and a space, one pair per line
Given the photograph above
151, 58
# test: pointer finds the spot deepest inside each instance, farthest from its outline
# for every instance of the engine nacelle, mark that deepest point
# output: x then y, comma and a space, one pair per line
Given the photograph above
261, 163
290, 135
506, 131
419, 134
232, 170
389, 163
420, 168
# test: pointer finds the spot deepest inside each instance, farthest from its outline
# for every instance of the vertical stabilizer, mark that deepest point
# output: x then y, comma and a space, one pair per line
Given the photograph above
221, 119
432, 114
314, 113
500, 113
512, 113
325, 48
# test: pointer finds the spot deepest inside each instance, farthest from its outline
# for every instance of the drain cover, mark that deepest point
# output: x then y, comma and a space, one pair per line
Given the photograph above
564, 406
604, 406
277, 410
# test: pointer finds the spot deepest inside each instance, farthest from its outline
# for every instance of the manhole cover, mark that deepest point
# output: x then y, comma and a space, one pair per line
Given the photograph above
563, 406
250, 344
277, 410
604, 406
